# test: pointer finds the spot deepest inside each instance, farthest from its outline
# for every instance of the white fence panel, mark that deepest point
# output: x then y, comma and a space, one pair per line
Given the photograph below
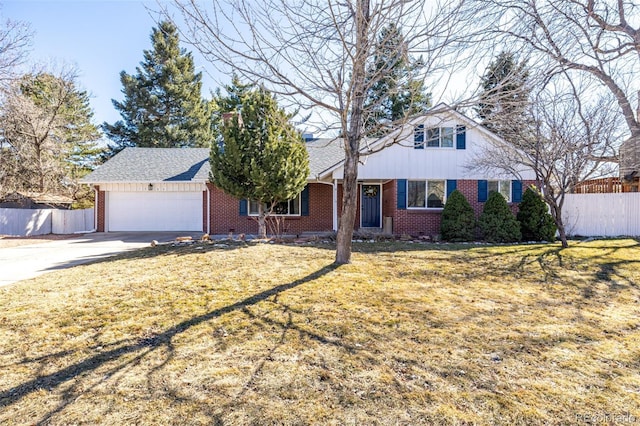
607, 215
71, 221
25, 222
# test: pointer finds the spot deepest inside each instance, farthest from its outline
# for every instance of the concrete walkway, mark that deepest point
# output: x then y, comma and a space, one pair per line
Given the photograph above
28, 261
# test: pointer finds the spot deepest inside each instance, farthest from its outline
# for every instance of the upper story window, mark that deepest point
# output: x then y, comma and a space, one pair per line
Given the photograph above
435, 137
285, 208
501, 186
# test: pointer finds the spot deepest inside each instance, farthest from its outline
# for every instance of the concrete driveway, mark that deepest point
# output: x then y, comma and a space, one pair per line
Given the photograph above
28, 261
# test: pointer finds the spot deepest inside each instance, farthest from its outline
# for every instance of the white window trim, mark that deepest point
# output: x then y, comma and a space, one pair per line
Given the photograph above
426, 195
278, 215
499, 182
440, 133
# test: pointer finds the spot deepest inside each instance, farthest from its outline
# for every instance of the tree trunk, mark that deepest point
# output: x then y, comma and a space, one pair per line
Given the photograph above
355, 125
262, 222
349, 208
556, 212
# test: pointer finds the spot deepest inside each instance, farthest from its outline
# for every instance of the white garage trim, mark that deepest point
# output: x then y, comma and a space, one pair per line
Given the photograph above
154, 211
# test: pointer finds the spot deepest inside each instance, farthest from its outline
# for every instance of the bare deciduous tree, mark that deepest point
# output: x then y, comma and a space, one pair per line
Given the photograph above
15, 39
598, 38
46, 136
565, 142
316, 53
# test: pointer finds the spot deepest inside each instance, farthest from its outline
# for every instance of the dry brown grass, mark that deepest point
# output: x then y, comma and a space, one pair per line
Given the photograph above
268, 334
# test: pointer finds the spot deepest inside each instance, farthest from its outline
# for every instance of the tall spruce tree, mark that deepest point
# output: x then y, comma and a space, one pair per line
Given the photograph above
261, 157
396, 91
505, 96
163, 105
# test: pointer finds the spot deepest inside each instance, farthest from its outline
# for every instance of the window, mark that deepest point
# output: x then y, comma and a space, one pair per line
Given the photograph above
436, 137
285, 208
416, 192
501, 186
418, 136
429, 193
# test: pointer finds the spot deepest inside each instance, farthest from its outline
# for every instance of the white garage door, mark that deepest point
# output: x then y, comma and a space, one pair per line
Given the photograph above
154, 211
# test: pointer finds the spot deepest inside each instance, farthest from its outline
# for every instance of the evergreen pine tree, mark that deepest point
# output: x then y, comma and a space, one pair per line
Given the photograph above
505, 96
536, 223
497, 223
396, 92
229, 102
261, 157
458, 218
163, 105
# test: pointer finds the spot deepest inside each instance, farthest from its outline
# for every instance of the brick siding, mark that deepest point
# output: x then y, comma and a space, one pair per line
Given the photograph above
101, 211
225, 213
427, 222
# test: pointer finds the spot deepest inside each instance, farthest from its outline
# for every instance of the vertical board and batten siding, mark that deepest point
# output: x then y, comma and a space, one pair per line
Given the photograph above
606, 215
29, 222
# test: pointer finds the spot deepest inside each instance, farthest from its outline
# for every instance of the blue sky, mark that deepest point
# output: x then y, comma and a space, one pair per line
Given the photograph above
101, 38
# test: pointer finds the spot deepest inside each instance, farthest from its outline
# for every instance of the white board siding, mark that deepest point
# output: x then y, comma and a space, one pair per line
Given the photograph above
154, 211
402, 161
157, 186
607, 215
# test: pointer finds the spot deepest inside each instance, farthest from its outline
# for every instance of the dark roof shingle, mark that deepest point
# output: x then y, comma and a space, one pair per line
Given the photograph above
154, 165
192, 164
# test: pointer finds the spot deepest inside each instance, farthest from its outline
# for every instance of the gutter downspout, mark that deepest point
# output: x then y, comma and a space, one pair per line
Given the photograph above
208, 209
95, 208
335, 205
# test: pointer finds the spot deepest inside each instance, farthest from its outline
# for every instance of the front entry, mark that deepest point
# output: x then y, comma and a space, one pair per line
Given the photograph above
370, 210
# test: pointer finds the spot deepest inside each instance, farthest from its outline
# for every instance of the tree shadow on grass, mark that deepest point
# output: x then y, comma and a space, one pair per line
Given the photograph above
141, 347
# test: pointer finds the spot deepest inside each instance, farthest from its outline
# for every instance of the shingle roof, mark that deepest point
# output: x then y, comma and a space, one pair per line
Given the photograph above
192, 164
154, 165
324, 154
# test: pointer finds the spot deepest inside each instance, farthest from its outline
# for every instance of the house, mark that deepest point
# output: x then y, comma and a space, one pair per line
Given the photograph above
403, 184
35, 200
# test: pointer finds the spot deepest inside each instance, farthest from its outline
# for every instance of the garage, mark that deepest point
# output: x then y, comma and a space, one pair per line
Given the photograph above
154, 211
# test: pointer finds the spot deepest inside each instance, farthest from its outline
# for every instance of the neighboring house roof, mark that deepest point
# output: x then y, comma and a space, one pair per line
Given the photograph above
154, 165
36, 197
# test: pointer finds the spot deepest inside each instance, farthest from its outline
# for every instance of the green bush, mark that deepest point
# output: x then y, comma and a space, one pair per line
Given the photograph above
536, 223
458, 219
497, 223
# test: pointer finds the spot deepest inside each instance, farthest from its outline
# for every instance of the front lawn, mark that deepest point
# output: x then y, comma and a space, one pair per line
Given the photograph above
271, 334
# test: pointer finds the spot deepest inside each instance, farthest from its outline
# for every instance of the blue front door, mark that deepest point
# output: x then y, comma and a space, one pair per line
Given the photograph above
370, 212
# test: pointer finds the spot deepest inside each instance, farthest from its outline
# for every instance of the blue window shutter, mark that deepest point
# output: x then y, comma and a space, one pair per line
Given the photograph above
243, 207
516, 191
451, 186
482, 191
461, 137
402, 194
418, 137
304, 201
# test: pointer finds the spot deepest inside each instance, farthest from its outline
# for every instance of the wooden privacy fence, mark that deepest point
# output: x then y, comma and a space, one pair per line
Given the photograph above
606, 215
26, 222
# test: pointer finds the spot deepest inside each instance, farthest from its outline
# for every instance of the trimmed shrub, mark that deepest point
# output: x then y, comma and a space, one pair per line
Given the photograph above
497, 223
458, 218
536, 223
